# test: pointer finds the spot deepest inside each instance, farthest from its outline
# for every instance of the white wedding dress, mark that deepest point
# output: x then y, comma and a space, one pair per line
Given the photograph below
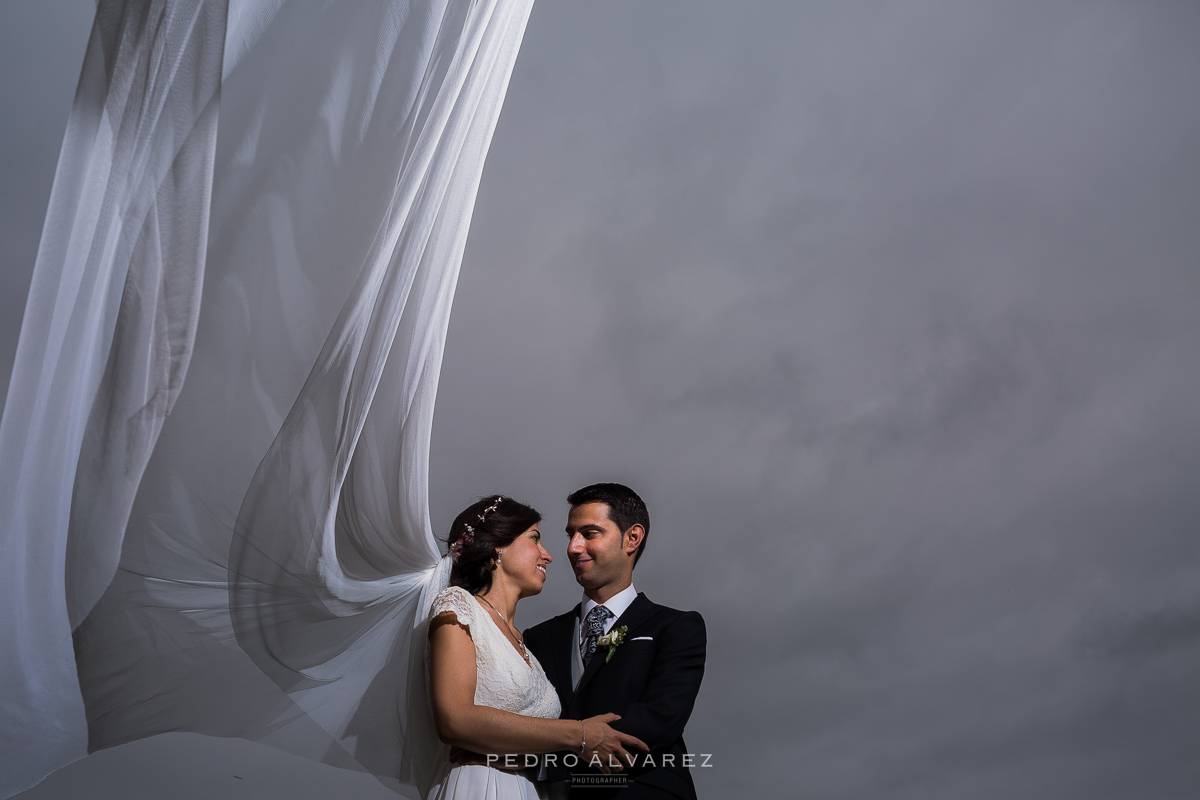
507, 680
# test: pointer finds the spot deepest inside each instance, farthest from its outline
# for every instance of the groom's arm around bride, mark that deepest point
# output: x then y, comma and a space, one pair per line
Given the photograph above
620, 652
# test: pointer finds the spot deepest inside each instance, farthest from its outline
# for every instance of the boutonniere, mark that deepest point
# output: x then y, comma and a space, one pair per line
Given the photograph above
612, 640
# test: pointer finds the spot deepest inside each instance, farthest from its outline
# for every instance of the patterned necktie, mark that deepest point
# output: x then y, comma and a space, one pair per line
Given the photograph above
593, 629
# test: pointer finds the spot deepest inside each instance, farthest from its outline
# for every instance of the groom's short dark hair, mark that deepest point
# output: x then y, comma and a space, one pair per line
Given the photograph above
625, 508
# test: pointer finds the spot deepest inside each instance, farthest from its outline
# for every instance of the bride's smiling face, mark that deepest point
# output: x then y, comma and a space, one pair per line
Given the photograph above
524, 562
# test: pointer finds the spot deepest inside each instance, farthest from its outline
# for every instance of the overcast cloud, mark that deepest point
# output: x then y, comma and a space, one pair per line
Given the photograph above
892, 313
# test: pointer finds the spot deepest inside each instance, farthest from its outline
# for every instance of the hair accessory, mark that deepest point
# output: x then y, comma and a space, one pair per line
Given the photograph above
490, 508
464, 540
469, 531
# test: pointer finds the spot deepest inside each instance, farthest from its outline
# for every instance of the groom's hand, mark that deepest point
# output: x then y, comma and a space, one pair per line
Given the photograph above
615, 750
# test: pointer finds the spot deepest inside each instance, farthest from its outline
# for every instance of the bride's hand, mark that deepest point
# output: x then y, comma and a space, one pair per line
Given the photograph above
611, 746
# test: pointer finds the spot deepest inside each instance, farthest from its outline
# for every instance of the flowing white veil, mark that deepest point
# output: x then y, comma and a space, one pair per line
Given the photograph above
214, 453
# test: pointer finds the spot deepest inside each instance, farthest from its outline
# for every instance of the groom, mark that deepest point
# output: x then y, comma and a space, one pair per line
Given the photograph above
650, 676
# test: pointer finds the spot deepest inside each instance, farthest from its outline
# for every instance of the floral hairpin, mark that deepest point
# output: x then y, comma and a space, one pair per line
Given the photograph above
469, 531
491, 508
468, 537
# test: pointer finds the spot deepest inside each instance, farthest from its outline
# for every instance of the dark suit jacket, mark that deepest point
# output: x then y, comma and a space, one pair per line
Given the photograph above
651, 683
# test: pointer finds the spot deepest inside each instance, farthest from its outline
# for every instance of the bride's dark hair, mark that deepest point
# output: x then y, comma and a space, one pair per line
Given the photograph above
493, 522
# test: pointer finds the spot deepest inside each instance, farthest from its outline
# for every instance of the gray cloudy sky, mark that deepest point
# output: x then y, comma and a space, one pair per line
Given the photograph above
890, 310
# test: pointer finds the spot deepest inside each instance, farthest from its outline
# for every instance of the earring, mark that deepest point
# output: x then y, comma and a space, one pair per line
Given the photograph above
498, 554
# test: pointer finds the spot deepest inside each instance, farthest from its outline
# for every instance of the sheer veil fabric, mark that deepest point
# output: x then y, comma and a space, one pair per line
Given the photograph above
215, 443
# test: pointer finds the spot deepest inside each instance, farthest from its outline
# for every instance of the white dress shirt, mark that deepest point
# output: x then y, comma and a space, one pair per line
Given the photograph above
616, 604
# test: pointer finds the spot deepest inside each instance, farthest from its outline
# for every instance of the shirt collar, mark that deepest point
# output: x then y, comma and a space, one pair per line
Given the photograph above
616, 604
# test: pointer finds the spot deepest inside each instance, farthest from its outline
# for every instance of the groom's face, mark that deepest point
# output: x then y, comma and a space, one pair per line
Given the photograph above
597, 547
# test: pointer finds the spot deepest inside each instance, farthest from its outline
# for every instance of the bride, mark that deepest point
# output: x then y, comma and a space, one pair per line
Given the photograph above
215, 481
490, 695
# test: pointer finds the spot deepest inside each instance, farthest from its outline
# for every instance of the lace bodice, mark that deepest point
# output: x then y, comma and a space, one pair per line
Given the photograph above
505, 680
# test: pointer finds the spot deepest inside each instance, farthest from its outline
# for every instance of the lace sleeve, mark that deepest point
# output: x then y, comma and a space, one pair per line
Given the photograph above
455, 600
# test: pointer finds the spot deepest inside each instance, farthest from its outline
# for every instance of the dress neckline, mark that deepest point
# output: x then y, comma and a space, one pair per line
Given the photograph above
522, 652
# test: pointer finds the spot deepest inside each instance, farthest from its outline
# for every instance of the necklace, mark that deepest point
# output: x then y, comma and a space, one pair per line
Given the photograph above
520, 641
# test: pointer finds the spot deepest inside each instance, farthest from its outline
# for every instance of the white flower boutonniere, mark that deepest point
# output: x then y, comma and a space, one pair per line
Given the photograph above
612, 640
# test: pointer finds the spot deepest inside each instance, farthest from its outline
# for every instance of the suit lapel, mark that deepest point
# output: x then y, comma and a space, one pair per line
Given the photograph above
639, 610
560, 647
